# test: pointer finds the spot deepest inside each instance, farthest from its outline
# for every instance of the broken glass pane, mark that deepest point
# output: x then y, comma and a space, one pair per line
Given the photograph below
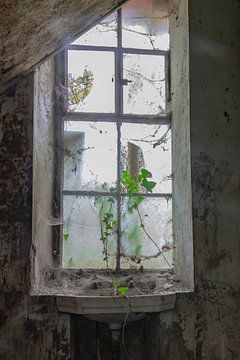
146, 233
82, 244
91, 81
148, 147
90, 156
145, 25
145, 91
103, 34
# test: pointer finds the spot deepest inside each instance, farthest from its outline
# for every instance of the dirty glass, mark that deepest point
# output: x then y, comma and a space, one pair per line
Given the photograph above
145, 25
82, 245
146, 233
90, 156
103, 34
148, 146
91, 81
112, 149
145, 90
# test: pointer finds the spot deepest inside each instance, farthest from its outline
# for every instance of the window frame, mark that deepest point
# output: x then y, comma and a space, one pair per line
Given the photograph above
47, 277
62, 115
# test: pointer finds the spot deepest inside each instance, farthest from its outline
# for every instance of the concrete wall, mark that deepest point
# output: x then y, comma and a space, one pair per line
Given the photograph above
206, 324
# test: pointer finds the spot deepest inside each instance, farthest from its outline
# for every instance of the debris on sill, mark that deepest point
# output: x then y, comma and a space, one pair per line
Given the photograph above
93, 283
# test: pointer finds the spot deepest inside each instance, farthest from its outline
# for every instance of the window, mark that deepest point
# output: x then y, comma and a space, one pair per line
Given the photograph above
117, 189
103, 149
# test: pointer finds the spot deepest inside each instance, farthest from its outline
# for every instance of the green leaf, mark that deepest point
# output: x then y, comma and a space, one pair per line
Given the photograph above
140, 178
145, 173
65, 236
129, 182
149, 185
122, 291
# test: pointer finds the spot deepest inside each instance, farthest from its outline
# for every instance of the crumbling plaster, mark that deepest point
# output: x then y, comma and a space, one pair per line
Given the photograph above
206, 323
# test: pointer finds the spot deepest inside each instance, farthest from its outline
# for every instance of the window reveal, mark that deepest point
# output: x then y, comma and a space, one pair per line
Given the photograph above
117, 147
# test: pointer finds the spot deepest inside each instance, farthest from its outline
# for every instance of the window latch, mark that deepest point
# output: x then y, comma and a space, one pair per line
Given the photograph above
125, 81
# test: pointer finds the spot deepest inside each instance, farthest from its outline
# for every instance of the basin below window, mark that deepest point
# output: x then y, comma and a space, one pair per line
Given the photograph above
114, 308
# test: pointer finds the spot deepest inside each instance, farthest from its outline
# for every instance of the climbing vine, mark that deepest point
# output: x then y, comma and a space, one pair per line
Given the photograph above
131, 185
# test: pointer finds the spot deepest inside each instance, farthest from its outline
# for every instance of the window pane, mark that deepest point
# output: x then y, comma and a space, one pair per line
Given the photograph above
141, 242
91, 81
90, 156
103, 34
149, 147
82, 247
145, 92
145, 25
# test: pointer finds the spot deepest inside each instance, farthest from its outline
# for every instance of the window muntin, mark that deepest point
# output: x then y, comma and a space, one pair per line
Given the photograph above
133, 134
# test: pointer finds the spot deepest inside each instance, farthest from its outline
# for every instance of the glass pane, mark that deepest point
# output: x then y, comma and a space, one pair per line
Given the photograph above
145, 25
82, 244
145, 91
146, 233
103, 34
90, 156
91, 81
149, 147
